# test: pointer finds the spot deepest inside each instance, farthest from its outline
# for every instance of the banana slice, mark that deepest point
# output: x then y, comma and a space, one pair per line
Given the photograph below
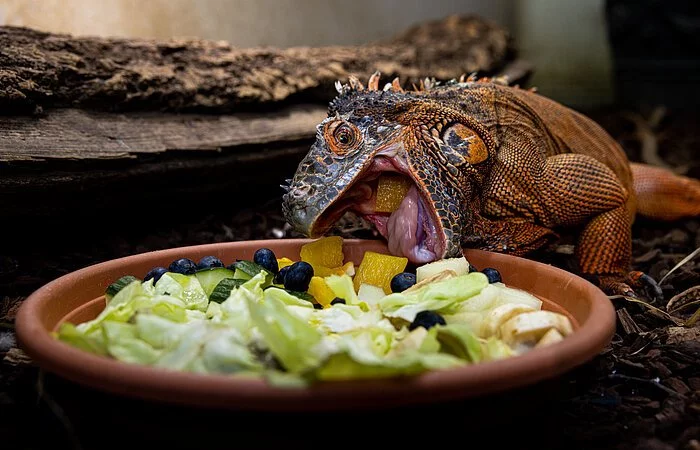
549, 338
460, 266
532, 326
501, 314
443, 275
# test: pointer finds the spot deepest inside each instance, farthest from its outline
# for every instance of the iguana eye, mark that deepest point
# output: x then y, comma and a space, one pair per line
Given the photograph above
467, 142
341, 137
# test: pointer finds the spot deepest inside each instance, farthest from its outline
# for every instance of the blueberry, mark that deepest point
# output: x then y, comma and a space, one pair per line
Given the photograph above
209, 262
155, 273
298, 276
279, 278
402, 281
338, 300
427, 320
266, 258
492, 274
184, 266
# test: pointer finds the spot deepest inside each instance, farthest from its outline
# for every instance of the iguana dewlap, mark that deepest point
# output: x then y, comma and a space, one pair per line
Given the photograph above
492, 166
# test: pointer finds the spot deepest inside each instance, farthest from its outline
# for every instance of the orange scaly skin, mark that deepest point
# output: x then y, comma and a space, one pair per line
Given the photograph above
502, 168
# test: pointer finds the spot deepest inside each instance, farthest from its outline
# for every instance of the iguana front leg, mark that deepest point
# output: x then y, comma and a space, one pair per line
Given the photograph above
580, 189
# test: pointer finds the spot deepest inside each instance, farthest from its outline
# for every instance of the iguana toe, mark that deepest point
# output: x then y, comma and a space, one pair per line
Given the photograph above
642, 281
631, 286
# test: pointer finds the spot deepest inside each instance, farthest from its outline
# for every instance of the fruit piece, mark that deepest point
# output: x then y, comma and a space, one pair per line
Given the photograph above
347, 268
284, 262
501, 314
323, 252
279, 278
370, 294
549, 338
444, 275
492, 274
209, 262
378, 269
427, 320
298, 276
323, 271
323, 294
184, 266
118, 285
265, 258
402, 281
532, 326
459, 265
223, 289
155, 273
338, 300
211, 277
391, 190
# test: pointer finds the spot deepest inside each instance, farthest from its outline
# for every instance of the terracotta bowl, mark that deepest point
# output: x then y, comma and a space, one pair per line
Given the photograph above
78, 296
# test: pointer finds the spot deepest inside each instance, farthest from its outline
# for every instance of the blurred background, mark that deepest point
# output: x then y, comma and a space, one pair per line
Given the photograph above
565, 40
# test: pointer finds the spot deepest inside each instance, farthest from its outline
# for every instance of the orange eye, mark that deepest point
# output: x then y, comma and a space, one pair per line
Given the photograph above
341, 137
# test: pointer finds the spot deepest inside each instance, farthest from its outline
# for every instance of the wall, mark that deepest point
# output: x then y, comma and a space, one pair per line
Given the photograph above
565, 39
242, 22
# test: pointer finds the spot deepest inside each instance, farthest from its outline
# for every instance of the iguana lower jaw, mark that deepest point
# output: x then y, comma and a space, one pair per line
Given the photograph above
413, 230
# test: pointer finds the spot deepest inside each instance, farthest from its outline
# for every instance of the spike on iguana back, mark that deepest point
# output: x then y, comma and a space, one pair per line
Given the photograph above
373, 83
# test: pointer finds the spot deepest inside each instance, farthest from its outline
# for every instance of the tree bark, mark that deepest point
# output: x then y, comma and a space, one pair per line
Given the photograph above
40, 70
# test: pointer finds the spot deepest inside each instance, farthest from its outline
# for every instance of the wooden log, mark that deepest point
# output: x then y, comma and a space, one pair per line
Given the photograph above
39, 70
87, 121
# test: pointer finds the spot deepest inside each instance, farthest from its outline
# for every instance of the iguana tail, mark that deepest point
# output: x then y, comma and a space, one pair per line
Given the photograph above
664, 195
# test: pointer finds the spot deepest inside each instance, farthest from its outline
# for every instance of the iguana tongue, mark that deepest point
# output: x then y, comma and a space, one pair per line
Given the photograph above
406, 230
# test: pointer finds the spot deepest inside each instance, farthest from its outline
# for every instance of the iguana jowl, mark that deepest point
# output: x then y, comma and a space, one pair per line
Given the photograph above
493, 167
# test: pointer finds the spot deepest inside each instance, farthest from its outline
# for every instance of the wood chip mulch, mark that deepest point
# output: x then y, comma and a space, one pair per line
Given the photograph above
642, 392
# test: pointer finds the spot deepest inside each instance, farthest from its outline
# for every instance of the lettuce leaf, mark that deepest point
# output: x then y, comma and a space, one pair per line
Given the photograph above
124, 344
291, 339
360, 357
444, 296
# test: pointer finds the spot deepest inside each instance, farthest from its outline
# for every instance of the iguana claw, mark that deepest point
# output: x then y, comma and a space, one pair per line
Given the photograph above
642, 281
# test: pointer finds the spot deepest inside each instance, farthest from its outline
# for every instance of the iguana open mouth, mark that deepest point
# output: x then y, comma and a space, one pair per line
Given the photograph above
412, 230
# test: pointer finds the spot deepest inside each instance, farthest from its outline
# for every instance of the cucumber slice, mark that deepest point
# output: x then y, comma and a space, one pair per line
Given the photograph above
223, 289
245, 270
302, 295
209, 278
118, 285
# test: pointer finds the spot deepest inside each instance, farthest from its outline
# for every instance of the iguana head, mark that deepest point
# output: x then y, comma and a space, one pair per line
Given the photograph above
369, 131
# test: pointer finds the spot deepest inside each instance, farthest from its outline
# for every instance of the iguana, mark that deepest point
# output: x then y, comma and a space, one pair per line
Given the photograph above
492, 166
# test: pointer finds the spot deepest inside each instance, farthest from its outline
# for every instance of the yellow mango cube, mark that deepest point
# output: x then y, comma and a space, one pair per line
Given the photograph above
323, 271
378, 269
284, 262
323, 254
391, 190
323, 294
326, 251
